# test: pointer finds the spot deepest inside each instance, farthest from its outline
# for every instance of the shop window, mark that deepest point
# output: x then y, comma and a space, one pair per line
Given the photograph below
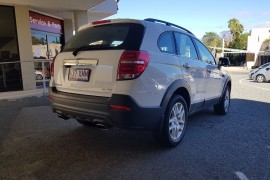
10, 67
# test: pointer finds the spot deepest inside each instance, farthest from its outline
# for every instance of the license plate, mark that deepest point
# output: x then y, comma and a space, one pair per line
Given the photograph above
78, 74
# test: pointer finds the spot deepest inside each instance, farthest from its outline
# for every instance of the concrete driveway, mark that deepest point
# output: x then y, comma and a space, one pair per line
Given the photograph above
35, 144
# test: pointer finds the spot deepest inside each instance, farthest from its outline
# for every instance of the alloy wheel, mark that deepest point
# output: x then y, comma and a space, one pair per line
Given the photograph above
177, 121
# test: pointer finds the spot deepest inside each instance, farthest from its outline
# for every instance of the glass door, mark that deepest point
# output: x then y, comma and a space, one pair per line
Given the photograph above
54, 45
45, 47
39, 46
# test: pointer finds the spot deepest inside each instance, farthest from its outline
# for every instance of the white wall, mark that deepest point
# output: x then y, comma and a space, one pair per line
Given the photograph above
255, 42
25, 46
68, 28
258, 36
80, 19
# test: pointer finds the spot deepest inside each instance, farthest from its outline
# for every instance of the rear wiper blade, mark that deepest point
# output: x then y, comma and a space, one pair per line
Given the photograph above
75, 52
88, 47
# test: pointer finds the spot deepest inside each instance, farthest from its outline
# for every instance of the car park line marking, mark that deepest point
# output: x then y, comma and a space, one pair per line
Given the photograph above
241, 82
241, 175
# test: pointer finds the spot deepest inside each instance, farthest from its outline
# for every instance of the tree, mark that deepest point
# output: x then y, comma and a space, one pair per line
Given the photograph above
212, 39
37, 41
227, 37
240, 42
265, 45
235, 27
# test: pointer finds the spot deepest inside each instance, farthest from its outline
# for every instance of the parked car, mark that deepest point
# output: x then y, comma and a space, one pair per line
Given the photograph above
252, 71
38, 75
137, 74
262, 74
47, 72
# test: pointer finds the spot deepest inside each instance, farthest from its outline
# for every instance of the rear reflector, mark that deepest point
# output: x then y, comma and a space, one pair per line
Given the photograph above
101, 22
51, 98
121, 108
132, 64
52, 66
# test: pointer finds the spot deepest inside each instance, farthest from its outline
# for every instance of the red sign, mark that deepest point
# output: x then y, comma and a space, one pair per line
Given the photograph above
45, 23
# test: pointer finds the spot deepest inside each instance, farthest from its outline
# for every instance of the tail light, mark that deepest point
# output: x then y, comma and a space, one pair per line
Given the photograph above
52, 66
132, 64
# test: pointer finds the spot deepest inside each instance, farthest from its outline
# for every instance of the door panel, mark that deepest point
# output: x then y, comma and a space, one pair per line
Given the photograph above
214, 82
193, 69
214, 76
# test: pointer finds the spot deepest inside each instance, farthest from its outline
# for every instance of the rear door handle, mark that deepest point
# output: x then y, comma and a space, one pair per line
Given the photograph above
186, 65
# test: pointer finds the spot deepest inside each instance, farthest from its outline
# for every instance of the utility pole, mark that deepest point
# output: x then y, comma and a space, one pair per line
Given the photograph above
223, 44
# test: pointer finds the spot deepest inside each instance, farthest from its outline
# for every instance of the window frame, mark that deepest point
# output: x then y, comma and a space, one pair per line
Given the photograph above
194, 45
173, 40
199, 53
127, 44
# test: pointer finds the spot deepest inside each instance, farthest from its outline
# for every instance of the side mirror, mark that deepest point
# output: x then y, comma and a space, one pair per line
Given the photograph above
223, 61
267, 69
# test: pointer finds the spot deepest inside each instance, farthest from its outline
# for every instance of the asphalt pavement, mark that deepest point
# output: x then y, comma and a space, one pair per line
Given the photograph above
36, 144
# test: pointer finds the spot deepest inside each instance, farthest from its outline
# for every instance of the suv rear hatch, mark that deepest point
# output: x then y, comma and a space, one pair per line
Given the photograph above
89, 61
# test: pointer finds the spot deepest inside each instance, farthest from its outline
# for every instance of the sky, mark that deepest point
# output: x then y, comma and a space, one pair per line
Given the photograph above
199, 16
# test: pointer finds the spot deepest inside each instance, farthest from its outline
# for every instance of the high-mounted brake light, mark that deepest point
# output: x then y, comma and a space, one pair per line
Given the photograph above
101, 22
132, 64
52, 66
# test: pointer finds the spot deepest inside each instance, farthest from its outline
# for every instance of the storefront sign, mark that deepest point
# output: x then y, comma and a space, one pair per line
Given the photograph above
45, 23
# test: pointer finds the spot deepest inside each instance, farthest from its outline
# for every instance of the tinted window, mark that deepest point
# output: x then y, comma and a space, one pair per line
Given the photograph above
265, 65
8, 35
185, 46
113, 36
166, 43
10, 68
206, 56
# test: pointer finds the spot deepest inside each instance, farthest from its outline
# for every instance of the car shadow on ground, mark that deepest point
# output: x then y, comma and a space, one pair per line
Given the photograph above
254, 81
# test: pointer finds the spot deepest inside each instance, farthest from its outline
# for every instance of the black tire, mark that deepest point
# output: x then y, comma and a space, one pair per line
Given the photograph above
165, 137
86, 123
260, 78
223, 106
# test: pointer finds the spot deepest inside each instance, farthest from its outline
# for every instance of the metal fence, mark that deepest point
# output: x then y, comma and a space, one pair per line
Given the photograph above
42, 73
236, 59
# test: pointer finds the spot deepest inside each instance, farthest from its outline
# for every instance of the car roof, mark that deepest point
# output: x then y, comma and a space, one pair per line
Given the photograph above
168, 25
111, 21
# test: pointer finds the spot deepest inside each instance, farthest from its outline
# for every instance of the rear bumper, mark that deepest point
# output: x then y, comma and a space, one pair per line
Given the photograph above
98, 108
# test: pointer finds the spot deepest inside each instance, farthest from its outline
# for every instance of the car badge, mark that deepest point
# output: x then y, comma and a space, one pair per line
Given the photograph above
77, 62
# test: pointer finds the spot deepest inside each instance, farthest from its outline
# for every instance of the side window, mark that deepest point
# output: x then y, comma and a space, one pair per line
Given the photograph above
205, 54
166, 43
185, 46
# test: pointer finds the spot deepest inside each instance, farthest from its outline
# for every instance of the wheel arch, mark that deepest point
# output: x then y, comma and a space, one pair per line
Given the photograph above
185, 94
260, 75
228, 82
178, 87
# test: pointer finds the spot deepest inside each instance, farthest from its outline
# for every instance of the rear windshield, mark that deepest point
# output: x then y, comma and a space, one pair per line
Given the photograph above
112, 36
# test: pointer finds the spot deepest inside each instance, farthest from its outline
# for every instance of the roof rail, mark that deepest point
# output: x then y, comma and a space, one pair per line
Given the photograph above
168, 24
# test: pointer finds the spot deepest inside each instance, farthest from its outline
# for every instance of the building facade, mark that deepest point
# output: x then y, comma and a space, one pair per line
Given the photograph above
257, 43
32, 32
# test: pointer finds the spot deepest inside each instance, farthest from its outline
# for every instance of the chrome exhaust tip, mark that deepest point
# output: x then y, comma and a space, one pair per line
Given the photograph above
102, 127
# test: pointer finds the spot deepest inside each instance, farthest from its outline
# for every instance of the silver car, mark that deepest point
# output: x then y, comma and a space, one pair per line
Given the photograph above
262, 74
252, 71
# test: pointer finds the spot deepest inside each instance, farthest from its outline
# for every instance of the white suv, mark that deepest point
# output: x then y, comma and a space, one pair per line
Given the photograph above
137, 74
